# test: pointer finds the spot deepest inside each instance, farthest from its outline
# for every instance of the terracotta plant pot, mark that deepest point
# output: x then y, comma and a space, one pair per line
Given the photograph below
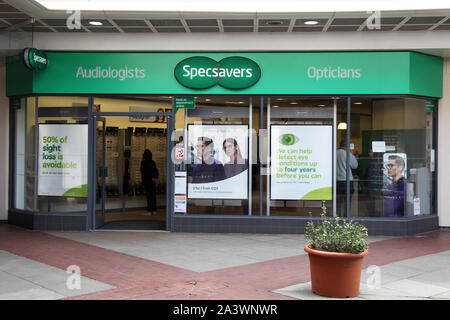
335, 274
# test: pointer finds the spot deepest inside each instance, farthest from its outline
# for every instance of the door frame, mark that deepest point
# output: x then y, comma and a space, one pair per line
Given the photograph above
101, 220
92, 158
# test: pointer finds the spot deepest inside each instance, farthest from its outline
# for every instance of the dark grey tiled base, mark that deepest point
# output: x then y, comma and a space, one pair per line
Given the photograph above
47, 222
233, 224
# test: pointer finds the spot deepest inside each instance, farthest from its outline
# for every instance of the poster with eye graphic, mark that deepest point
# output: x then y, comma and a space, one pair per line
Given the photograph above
301, 162
218, 161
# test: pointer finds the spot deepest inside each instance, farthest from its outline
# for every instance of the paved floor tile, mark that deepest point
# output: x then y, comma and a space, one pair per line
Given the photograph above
32, 294
442, 296
427, 263
389, 273
439, 278
303, 291
11, 284
415, 289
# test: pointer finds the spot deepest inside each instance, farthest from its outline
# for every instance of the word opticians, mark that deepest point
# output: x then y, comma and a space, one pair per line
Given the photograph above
333, 73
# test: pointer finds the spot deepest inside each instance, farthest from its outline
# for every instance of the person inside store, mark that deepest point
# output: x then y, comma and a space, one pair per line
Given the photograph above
394, 194
149, 174
160, 119
207, 168
237, 163
126, 171
341, 176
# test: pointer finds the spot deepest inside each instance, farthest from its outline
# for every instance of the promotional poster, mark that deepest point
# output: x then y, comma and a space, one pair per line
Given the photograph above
301, 162
395, 184
63, 160
218, 161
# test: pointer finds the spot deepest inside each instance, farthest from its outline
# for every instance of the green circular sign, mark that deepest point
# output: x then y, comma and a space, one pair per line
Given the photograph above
288, 139
231, 73
35, 59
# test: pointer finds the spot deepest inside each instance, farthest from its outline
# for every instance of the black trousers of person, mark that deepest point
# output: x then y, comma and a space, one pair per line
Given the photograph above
341, 196
150, 191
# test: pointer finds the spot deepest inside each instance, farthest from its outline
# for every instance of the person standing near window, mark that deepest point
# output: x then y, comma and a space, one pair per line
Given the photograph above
341, 174
150, 174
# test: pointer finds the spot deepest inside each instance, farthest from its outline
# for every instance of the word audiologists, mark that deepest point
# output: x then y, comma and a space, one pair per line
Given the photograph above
110, 73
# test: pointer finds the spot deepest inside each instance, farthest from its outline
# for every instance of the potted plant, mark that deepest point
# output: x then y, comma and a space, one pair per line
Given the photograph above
336, 250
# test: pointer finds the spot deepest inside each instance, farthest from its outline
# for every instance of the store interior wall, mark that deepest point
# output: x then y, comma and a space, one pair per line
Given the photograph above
4, 142
444, 149
398, 114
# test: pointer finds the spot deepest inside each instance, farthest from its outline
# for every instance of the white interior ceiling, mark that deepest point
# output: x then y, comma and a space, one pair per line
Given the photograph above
425, 31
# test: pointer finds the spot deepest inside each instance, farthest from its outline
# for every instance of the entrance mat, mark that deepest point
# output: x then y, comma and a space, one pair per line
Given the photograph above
135, 225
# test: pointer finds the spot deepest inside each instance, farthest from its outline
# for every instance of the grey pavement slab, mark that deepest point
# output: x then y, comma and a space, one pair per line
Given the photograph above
427, 263
439, 278
32, 294
442, 296
391, 272
302, 291
416, 289
26, 279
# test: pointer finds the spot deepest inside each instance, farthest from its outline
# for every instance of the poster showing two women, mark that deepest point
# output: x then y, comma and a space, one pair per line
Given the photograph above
218, 161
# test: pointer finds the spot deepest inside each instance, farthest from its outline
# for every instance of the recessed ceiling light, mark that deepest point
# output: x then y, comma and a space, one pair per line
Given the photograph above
342, 126
276, 106
274, 22
207, 99
357, 102
235, 102
95, 23
280, 99
310, 22
293, 102
322, 105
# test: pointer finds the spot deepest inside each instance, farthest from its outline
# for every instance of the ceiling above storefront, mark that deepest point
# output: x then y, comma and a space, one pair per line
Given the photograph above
18, 15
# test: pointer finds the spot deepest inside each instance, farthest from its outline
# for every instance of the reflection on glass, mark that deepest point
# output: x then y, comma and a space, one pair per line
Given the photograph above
394, 138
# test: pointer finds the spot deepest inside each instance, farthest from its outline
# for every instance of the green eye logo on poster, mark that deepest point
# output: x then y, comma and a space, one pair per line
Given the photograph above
288, 139
231, 73
35, 59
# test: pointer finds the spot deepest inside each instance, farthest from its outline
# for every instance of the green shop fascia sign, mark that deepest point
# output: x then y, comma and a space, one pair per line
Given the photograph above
35, 59
224, 73
203, 72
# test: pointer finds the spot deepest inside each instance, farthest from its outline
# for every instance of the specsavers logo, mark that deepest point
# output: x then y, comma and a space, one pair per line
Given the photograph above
35, 59
204, 72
